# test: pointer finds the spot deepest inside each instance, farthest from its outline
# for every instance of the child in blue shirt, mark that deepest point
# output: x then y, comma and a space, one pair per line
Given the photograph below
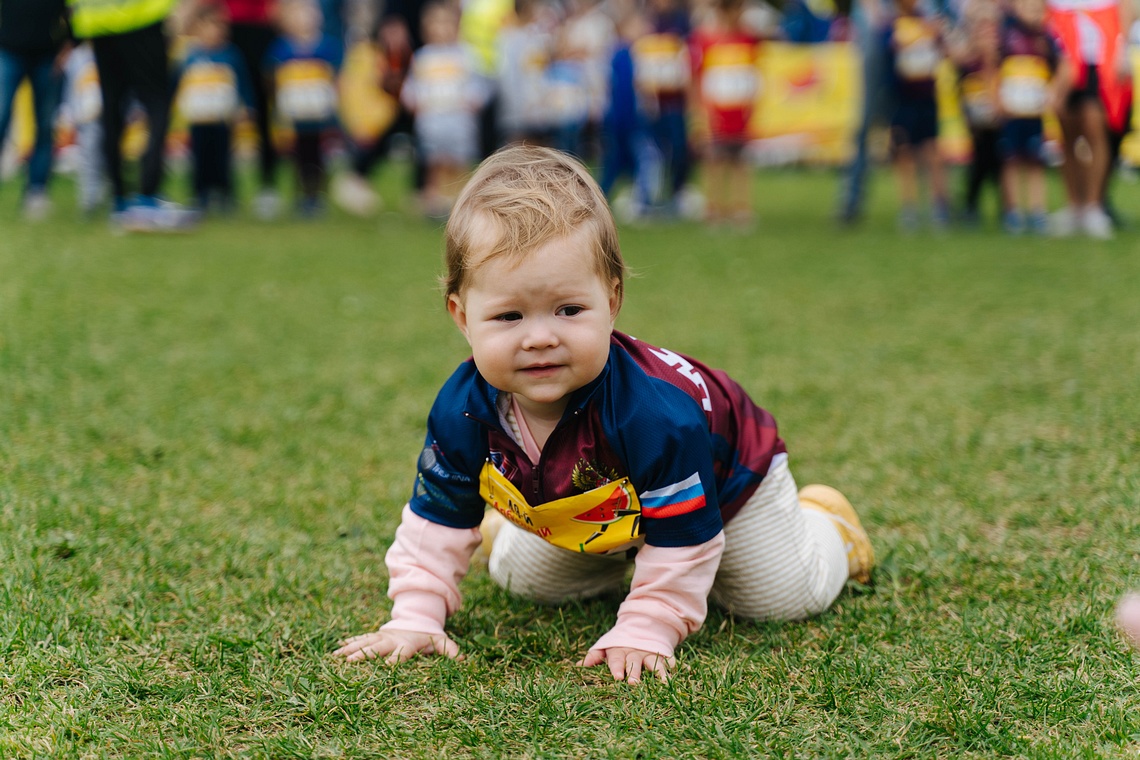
213, 90
304, 64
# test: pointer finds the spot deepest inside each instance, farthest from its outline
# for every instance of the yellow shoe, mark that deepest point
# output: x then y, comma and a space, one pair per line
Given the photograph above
860, 555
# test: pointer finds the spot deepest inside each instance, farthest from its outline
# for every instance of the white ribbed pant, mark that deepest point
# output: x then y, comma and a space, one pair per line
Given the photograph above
780, 562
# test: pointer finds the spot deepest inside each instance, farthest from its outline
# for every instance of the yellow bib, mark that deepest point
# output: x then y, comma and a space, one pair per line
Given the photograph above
1024, 85
208, 94
306, 90
605, 520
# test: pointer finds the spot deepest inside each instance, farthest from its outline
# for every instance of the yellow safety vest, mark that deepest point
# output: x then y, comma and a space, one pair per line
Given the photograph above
98, 18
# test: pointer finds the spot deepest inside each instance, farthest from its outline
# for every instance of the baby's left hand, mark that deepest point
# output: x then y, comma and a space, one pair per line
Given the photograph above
626, 664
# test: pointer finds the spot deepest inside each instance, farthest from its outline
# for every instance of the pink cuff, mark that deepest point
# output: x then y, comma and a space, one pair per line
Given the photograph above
420, 611
425, 564
668, 598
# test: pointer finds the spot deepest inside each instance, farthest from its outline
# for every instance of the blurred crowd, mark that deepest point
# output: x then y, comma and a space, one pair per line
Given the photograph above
644, 91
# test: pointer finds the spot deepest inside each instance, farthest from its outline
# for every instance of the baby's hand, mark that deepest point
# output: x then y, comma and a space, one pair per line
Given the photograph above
626, 664
396, 646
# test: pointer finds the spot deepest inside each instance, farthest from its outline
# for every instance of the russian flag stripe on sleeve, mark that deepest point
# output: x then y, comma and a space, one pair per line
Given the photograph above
677, 499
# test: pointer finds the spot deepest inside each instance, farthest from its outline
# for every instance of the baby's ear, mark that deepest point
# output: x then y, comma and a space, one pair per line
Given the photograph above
458, 314
617, 293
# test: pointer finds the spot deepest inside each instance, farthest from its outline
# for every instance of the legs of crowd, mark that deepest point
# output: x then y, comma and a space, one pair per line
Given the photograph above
253, 42
46, 87
1086, 155
135, 64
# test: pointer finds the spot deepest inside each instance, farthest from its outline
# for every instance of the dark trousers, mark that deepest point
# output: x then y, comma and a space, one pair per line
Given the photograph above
134, 64
253, 41
985, 164
310, 162
212, 168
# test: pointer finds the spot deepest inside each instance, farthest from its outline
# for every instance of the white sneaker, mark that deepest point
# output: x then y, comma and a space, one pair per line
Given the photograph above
1096, 223
37, 206
352, 193
267, 205
1065, 222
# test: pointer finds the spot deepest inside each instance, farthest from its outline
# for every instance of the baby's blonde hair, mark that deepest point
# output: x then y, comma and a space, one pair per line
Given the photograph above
519, 199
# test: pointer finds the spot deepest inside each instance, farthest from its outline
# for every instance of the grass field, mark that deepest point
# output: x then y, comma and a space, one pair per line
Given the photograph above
205, 442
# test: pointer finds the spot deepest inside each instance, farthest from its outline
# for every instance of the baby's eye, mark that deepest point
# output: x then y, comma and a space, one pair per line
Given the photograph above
570, 311
510, 316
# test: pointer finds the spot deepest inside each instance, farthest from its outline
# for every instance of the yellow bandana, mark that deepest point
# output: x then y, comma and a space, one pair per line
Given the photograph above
605, 520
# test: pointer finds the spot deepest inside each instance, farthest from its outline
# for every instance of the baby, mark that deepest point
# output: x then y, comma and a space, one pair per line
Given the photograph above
596, 449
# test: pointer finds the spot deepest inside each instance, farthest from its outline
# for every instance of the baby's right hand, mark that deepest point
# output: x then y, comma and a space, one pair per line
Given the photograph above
396, 646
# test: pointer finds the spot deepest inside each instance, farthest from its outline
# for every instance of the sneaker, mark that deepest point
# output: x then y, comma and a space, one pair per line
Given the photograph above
352, 193
1038, 223
1013, 222
1065, 222
267, 205
860, 554
37, 205
151, 214
1096, 223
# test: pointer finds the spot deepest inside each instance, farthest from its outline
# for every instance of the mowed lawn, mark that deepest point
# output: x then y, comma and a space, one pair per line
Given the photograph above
206, 440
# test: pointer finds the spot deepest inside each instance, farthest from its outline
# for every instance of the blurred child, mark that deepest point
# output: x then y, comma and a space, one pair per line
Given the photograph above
978, 57
1028, 64
590, 32
567, 96
445, 92
593, 449
214, 87
83, 102
304, 64
724, 63
627, 146
914, 50
661, 64
524, 47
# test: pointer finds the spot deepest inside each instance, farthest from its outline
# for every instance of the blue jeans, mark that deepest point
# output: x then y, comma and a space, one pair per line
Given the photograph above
47, 84
873, 54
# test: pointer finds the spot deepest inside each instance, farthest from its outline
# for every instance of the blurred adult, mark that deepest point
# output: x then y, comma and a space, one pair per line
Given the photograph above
252, 33
870, 19
33, 34
131, 54
1093, 101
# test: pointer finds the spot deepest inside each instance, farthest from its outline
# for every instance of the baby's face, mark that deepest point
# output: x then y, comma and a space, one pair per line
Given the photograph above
539, 329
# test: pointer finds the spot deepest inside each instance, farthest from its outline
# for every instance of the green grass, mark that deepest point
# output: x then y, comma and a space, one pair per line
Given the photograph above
205, 442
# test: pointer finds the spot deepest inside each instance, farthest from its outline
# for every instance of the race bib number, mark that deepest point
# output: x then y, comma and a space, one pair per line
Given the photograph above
306, 90
208, 94
605, 520
917, 55
730, 78
660, 63
1024, 86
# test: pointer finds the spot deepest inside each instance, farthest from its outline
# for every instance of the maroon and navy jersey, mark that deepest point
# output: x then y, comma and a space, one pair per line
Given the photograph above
691, 441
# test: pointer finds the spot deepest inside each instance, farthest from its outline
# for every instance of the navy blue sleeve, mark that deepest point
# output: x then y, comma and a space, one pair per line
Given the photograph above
446, 491
663, 436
